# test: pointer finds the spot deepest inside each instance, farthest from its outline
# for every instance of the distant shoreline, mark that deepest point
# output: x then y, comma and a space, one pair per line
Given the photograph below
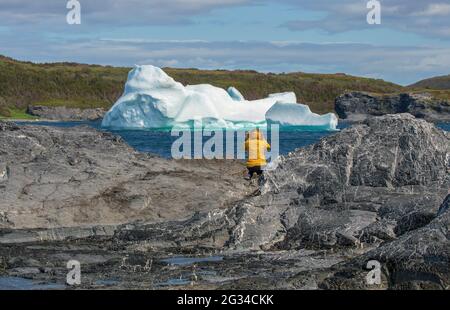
27, 120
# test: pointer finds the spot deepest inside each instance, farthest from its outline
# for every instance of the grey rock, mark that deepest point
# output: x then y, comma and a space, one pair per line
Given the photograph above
81, 177
374, 181
8, 236
66, 114
445, 205
8, 126
366, 185
370, 192
417, 260
357, 106
24, 271
4, 172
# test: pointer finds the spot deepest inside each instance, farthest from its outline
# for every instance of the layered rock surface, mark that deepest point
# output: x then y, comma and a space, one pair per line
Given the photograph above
416, 260
53, 177
366, 185
370, 192
66, 114
357, 106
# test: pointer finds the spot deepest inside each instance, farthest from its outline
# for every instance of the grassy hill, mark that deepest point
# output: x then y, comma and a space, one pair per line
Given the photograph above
60, 84
86, 86
437, 83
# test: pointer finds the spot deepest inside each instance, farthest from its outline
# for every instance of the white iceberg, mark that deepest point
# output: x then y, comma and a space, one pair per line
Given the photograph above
152, 99
298, 115
235, 94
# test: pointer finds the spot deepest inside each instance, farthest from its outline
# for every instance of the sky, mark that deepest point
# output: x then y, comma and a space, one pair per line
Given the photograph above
318, 36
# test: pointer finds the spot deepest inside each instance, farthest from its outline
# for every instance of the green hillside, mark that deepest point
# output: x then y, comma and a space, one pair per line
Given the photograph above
439, 83
317, 90
85, 86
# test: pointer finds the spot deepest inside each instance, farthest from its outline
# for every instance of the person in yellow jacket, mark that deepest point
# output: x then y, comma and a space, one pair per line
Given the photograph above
255, 146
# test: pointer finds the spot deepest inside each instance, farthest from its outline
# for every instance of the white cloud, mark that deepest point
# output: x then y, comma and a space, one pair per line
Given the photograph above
428, 18
399, 64
149, 12
435, 9
41, 40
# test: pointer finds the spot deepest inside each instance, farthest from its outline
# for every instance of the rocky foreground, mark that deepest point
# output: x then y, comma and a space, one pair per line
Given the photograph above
370, 192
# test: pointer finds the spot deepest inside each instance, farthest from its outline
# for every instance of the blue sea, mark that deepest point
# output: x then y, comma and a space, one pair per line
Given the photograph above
160, 142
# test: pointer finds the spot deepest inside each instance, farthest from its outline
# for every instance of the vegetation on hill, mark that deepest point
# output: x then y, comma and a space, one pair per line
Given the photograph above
437, 83
59, 84
92, 86
317, 90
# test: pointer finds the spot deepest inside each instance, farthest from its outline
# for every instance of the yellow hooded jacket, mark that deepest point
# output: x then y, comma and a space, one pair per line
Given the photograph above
256, 146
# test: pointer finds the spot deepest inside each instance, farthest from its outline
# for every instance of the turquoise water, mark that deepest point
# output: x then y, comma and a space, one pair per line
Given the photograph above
160, 142
445, 126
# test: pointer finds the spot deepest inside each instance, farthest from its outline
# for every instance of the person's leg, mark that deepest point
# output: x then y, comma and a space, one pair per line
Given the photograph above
250, 173
260, 170
256, 170
260, 175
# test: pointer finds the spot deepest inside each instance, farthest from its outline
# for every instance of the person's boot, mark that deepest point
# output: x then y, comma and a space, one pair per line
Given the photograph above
261, 180
254, 181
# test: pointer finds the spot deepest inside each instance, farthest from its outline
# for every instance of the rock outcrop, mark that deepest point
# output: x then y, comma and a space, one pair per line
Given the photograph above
357, 106
445, 205
66, 114
375, 191
371, 192
54, 177
417, 260
368, 184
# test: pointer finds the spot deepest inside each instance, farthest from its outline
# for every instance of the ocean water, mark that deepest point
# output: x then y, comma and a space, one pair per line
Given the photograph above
445, 126
160, 142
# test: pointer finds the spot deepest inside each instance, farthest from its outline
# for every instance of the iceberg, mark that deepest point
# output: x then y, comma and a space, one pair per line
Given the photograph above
235, 94
152, 99
299, 115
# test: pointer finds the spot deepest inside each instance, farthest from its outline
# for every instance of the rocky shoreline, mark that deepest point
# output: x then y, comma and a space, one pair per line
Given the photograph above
370, 192
358, 106
351, 107
66, 114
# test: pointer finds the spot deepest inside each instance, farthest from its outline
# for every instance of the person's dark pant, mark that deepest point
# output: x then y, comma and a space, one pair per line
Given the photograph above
252, 170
